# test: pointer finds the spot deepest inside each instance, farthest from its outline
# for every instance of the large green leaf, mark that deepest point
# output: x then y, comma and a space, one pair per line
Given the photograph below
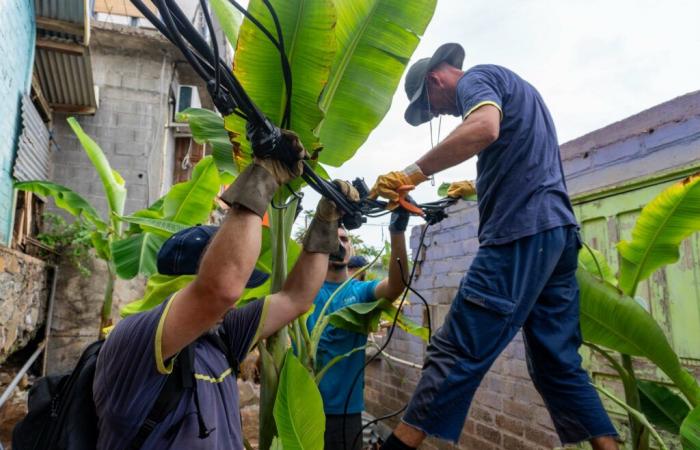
690, 431
111, 180
298, 408
191, 202
616, 321
594, 262
376, 39
307, 28
208, 128
405, 323
229, 18
158, 288
663, 223
662, 406
360, 318
161, 227
66, 199
136, 254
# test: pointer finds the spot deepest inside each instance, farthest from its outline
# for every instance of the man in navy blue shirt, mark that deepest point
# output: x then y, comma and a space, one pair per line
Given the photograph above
523, 276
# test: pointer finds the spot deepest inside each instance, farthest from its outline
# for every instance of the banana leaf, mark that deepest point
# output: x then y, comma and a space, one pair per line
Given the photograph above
112, 182
661, 226
158, 288
160, 227
595, 263
136, 254
375, 40
618, 322
309, 42
690, 431
207, 127
662, 406
229, 18
66, 199
298, 409
191, 202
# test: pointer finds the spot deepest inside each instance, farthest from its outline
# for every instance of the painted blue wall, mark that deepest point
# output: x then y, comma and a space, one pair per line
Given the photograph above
17, 37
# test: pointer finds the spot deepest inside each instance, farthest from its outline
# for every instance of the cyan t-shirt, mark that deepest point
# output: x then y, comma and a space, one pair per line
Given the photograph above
130, 374
520, 180
335, 384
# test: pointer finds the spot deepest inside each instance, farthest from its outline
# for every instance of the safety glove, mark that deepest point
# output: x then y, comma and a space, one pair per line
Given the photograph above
461, 189
256, 185
322, 234
398, 221
387, 185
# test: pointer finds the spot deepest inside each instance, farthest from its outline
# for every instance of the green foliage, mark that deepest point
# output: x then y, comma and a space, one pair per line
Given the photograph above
690, 430
136, 254
668, 219
375, 40
229, 18
298, 408
208, 128
71, 240
594, 262
191, 202
662, 406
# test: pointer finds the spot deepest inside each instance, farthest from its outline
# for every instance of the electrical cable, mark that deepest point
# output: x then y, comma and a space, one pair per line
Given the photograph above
215, 46
386, 342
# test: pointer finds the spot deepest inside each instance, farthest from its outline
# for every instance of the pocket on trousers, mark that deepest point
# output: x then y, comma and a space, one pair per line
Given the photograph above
483, 320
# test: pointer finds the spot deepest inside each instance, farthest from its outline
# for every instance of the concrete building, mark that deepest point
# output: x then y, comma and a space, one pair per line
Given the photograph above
611, 174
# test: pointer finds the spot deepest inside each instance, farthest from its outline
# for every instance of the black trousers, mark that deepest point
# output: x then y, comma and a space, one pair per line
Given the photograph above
334, 432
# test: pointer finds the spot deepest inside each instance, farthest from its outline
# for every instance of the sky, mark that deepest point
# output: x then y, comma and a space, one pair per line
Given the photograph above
594, 62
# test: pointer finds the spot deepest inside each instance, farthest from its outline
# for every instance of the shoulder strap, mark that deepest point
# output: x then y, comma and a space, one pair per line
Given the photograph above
219, 339
169, 397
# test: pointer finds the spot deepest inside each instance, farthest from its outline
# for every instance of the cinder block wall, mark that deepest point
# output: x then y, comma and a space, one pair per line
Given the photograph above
507, 412
17, 36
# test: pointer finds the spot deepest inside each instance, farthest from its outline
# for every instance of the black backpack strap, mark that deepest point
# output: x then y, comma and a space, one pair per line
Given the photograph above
218, 337
178, 380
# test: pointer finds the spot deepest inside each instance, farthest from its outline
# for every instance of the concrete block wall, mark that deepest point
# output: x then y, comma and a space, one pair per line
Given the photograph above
507, 412
129, 127
17, 36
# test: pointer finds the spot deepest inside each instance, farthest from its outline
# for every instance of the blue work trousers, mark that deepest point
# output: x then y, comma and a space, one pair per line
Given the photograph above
530, 284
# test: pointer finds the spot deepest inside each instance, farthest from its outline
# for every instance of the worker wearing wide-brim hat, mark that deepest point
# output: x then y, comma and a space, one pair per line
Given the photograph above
523, 276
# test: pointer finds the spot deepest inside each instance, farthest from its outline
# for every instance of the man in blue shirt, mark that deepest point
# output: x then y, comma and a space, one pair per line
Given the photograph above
523, 275
336, 383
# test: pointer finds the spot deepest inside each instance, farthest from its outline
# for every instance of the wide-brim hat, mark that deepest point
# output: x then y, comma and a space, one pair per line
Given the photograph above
181, 253
418, 110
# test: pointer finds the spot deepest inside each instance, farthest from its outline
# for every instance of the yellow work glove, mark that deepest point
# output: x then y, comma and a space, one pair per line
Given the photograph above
461, 189
387, 185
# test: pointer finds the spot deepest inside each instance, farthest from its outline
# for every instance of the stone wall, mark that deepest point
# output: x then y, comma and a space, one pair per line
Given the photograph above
507, 412
23, 299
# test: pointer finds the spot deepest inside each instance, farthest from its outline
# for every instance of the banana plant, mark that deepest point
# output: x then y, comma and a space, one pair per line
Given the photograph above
612, 318
338, 51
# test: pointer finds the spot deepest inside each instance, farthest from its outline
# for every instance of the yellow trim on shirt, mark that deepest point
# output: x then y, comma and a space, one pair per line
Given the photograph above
479, 105
211, 379
261, 324
160, 364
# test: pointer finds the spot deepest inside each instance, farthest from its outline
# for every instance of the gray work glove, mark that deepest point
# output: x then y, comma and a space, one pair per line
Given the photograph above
256, 185
322, 235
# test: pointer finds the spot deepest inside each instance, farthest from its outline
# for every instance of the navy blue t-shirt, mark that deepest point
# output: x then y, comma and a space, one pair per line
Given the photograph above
520, 180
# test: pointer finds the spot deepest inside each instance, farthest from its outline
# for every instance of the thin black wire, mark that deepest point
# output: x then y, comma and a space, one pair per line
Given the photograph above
286, 69
386, 341
215, 45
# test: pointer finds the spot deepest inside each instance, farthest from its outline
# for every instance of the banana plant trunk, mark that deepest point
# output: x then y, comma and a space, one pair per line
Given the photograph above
106, 315
273, 350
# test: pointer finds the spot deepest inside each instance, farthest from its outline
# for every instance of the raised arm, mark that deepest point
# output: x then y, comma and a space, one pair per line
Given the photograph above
230, 258
392, 286
306, 279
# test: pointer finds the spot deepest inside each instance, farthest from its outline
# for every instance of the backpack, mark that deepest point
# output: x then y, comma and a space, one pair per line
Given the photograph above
62, 414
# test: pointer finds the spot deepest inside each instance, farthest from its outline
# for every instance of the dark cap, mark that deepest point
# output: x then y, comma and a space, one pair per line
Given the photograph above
181, 253
418, 111
357, 261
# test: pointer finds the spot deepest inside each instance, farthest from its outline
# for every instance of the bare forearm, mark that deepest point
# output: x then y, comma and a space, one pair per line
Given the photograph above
306, 278
398, 268
473, 135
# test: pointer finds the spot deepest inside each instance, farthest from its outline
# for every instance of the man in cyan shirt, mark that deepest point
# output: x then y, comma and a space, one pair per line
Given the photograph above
523, 275
336, 383
137, 357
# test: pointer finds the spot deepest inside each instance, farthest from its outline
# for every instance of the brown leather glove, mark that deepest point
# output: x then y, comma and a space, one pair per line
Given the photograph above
258, 182
322, 234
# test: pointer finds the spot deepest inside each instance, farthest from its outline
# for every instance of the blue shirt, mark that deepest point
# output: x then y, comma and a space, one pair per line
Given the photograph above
130, 374
520, 181
335, 384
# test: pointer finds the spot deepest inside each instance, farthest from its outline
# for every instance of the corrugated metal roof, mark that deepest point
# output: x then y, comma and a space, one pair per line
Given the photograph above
66, 79
64, 10
33, 157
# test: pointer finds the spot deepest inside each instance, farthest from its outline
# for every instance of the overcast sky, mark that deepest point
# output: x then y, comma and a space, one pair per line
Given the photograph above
595, 62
